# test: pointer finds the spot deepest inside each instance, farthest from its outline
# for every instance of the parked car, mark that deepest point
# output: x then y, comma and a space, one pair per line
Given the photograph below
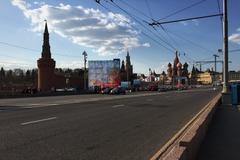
95, 90
106, 90
118, 90
162, 89
70, 89
182, 87
152, 88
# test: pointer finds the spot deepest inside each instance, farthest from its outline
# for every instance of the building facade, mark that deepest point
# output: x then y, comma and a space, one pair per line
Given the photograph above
234, 76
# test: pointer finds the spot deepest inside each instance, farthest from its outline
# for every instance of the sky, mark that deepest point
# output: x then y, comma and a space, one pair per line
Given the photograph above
110, 29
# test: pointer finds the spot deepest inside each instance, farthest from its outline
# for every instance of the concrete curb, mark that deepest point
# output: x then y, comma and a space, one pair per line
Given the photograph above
185, 143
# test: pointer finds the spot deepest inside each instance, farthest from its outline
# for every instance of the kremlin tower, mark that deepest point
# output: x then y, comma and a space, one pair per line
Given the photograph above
46, 65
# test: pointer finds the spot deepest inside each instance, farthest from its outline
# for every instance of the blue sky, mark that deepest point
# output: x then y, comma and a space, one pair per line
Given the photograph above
78, 25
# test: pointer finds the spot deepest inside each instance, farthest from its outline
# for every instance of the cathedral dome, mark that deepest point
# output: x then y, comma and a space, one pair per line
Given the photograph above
179, 65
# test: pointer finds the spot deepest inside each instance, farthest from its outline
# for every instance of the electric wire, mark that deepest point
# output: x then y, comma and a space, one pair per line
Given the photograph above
181, 10
34, 50
191, 42
134, 8
221, 17
161, 36
145, 27
149, 9
142, 32
163, 39
140, 23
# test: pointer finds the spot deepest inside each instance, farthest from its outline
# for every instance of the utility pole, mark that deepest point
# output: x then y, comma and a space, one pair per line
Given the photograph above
215, 68
84, 74
150, 75
221, 52
225, 47
215, 62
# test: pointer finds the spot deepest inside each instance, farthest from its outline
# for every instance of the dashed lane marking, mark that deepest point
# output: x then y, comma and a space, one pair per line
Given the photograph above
117, 106
29, 106
37, 121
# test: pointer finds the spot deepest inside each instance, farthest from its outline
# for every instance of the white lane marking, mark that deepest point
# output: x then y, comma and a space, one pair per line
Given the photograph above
29, 106
37, 121
117, 106
34, 104
51, 104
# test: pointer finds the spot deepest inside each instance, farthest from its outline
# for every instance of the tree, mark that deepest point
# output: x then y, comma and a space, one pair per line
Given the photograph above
9, 76
33, 75
28, 75
2, 74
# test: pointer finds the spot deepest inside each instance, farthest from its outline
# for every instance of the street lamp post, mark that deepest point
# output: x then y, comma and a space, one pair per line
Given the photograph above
84, 75
226, 97
225, 48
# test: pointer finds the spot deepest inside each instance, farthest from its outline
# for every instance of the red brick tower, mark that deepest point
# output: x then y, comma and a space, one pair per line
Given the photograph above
46, 65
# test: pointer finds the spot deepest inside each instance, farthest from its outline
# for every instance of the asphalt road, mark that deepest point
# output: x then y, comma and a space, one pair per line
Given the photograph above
128, 127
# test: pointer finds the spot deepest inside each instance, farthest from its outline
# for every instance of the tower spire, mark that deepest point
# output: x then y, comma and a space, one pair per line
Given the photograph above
46, 27
176, 53
128, 61
46, 53
176, 60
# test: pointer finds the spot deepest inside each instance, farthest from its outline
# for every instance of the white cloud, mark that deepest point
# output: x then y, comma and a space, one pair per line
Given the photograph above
72, 64
193, 22
21, 4
105, 33
39, 3
235, 38
184, 23
9, 64
146, 45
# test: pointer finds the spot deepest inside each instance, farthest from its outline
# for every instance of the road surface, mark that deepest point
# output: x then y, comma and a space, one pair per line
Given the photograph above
95, 127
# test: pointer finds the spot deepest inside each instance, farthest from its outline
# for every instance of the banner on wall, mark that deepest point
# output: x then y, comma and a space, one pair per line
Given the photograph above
104, 73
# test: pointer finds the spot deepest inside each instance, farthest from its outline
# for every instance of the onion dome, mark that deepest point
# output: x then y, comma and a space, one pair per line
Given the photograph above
179, 65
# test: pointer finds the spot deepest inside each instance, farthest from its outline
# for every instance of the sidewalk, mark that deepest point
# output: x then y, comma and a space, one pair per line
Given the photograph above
222, 139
